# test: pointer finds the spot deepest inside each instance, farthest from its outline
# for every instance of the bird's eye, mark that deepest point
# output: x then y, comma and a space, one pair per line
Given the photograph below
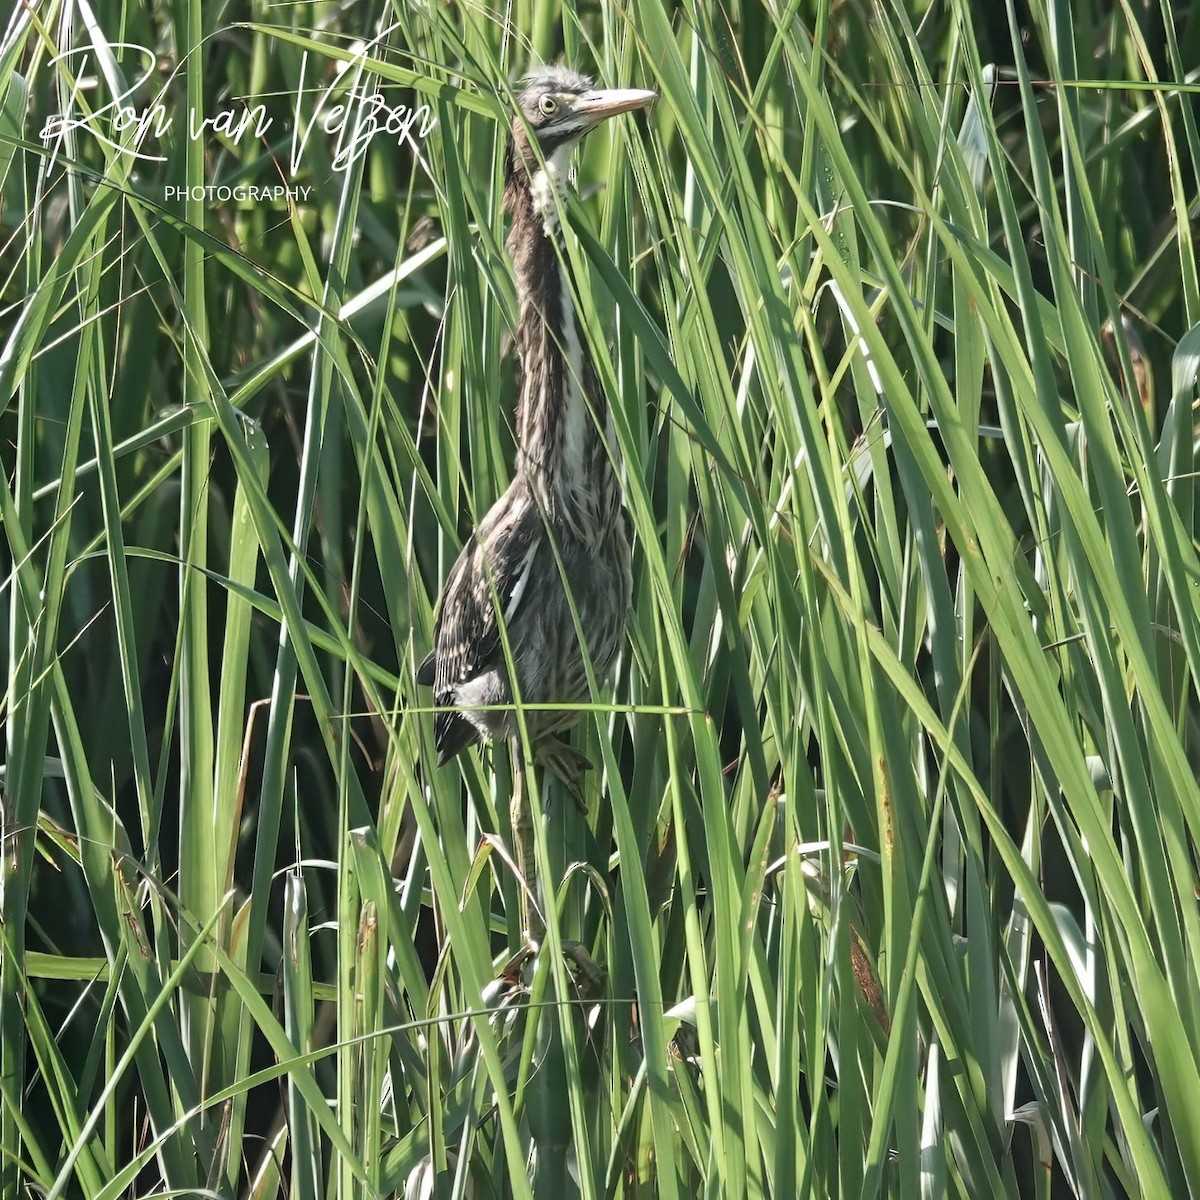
548, 105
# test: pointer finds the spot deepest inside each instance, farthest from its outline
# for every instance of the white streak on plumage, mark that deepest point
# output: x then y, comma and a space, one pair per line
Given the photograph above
575, 416
514, 599
548, 183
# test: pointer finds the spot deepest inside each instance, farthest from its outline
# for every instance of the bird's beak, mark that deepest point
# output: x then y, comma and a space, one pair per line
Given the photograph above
599, 106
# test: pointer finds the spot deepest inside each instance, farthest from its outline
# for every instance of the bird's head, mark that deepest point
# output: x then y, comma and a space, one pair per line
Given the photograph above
558, 108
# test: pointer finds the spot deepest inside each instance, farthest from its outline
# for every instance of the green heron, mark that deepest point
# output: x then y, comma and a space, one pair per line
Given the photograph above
560, 527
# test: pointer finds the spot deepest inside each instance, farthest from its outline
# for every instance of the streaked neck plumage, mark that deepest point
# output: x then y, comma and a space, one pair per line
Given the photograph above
560, 409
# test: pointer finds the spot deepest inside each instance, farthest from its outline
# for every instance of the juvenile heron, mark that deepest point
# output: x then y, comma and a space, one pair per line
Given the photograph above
560, 524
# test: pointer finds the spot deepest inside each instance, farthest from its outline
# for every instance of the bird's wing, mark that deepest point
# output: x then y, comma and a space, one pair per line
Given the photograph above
490, 572
427, 671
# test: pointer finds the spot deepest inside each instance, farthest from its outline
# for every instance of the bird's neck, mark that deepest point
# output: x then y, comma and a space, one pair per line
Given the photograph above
560, 411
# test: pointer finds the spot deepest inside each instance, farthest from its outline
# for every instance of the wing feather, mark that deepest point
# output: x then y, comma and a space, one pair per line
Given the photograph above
498, 563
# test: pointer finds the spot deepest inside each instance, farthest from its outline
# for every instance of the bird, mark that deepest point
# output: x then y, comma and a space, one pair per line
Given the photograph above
551, 559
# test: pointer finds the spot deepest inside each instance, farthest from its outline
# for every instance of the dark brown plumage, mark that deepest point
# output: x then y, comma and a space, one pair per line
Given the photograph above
561, 517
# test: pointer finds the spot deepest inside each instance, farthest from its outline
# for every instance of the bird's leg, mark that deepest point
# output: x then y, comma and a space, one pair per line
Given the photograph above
566, 764
569, 765
521, 814
561, 758
590, 972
